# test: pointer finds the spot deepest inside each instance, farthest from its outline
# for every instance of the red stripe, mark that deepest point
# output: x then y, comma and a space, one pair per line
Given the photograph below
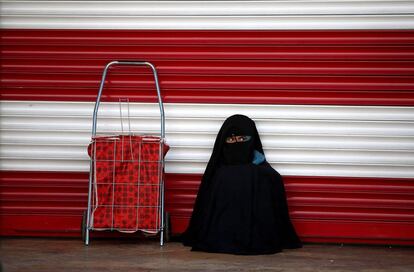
329, 209
276, 67
396, 98
223, 82
213, 37
232, 52
212, 67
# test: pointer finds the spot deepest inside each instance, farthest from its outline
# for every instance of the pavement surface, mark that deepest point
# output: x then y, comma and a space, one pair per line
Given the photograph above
40, 254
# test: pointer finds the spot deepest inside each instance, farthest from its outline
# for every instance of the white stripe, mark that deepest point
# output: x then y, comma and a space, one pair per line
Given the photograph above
208, 14
205, 8
298, 140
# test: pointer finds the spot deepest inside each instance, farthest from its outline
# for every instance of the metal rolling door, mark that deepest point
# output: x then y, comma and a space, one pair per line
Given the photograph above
334, 107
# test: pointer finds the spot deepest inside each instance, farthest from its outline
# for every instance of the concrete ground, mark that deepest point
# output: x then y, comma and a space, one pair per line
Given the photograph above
39, 254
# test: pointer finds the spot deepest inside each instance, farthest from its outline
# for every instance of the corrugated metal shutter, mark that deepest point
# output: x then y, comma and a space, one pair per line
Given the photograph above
297, 14
348, 170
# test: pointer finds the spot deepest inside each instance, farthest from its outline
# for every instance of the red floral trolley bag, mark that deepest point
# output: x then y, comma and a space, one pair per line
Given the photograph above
126, 181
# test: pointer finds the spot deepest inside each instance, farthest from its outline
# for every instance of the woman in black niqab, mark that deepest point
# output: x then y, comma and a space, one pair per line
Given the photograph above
241, 204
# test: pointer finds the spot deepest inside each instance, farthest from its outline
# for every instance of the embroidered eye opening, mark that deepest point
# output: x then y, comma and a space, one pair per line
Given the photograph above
237, 139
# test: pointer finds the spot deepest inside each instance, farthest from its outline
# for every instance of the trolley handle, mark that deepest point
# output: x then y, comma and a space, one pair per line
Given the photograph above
129, 63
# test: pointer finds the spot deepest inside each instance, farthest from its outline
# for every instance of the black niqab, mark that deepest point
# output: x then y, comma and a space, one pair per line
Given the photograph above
240, 207
238, 152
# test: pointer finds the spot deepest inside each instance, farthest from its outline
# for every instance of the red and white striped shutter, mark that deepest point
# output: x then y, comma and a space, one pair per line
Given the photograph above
330, 85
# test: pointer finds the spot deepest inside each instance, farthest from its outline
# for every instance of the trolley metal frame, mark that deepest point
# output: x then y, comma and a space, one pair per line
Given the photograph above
162, 135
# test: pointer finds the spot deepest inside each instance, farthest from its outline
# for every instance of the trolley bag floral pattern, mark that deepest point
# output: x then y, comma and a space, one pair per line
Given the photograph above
127, 177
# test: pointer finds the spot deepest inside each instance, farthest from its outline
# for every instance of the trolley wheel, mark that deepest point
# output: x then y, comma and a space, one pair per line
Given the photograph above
83, 225
167, 227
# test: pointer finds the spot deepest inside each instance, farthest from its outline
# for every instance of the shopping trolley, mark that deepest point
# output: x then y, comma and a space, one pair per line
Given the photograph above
126, 178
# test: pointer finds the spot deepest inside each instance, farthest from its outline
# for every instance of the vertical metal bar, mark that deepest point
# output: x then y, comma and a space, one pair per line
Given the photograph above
139, 177
161, 151
94, 118
88, 210
160, 104
120, 115
122, 129
161, 189
98, 98
129, 118
113, 186
162, 216
95, 200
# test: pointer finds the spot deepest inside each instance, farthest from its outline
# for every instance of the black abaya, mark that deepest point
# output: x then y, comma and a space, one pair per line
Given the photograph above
241, 206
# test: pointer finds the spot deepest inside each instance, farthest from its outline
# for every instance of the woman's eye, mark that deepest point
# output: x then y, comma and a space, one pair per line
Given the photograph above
230, 140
